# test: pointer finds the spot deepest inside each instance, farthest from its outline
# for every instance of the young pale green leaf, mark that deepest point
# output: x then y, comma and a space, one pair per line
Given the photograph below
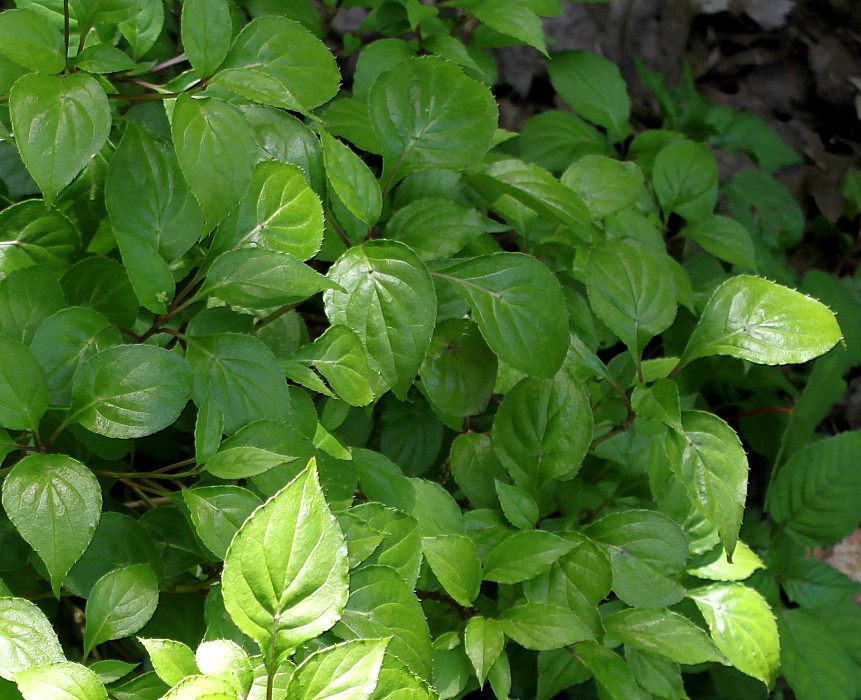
594, 88
631, 290
63, 680
24, 392
285, 573
648, 553
715, 567
453, 559
28, 296
121, 602
742, 627
347, 671
542, 627
613, 675
130, 391
225, 659
60, 123
523, 555
215, 149
724, 238
484, 641
435, 510
26, 638
428, 114
662, 632
111, 670
352, 180
207, 29
202, 688
606, 185
519, 507
278, 62
708, 458
503, 290
48, 494
389, 302
217, 512
757, 320
171, 660
29, 39
814, 494
243, 462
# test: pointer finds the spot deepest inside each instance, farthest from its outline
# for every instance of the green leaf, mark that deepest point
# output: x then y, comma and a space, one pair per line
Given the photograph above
121, 602
475, 468
60, 123
724, 238
28, 296
742, 627
171, 660
144, 29
523, 555
400, 548
30, 40
381, 604
63, 680
389, 302
484, 640
542, 627
130, 391
111, 670
519, 507
511, 17
278, 62
427, 114
348, 118
215, 149
208, 430
594, 88
65, 341
503, 290
685, 178
90, 12
285, 574
542, 431
103, 59
207, 29
45, 495
243, 462
454, 560
606, 185
708, 458
352, 180
26, 638
557, 670
715, 567
613, 676
631, 290
660, 402
348, 670
225, 659
217, 512
812, 583
814, 494
763, 322
103, 285
32, 234
202, 688
24, 389
662, 632
648, 553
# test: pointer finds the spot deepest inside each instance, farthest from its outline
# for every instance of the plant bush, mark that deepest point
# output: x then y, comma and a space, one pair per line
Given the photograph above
497, 460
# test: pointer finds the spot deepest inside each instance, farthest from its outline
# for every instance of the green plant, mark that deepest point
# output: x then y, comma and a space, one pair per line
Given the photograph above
498, 458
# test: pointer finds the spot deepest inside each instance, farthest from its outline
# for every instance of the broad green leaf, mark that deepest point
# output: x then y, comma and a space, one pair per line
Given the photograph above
512, 17
352, 180
24, 391
685, 178
207, 29
542, 627
208, 430
631, 290
435, 510
217, 512
382, 605
32, 234
278, 62
557, 670
606, 185
556, 139
648, 553
171, 660
285, 574
215, 149
542, 431
814, 494
503, 290
111, 670
130, 391
483, 640
662, 632
60, 123
613, 675
278, 212
660, 402
451, 666
348, 118
708, 458
519, 507
121, 602
657, 675
594, 88
202, 688
757, 320
63, 680
475, 468
103, 285
812, 583
400, 548
347, 671
45, 495
389, 302
29, 39
742, 627
459, 370
376, 58
28, 296
715, 567
243, 462
26, 638
523, 555
396, 681
144, 29
240, 373
225, 659
428, 114
765, 207
90, 12
103, 59
454, 561
66, 340
724, 238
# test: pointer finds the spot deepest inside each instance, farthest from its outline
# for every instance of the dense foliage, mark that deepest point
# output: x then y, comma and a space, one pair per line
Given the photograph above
313, 390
